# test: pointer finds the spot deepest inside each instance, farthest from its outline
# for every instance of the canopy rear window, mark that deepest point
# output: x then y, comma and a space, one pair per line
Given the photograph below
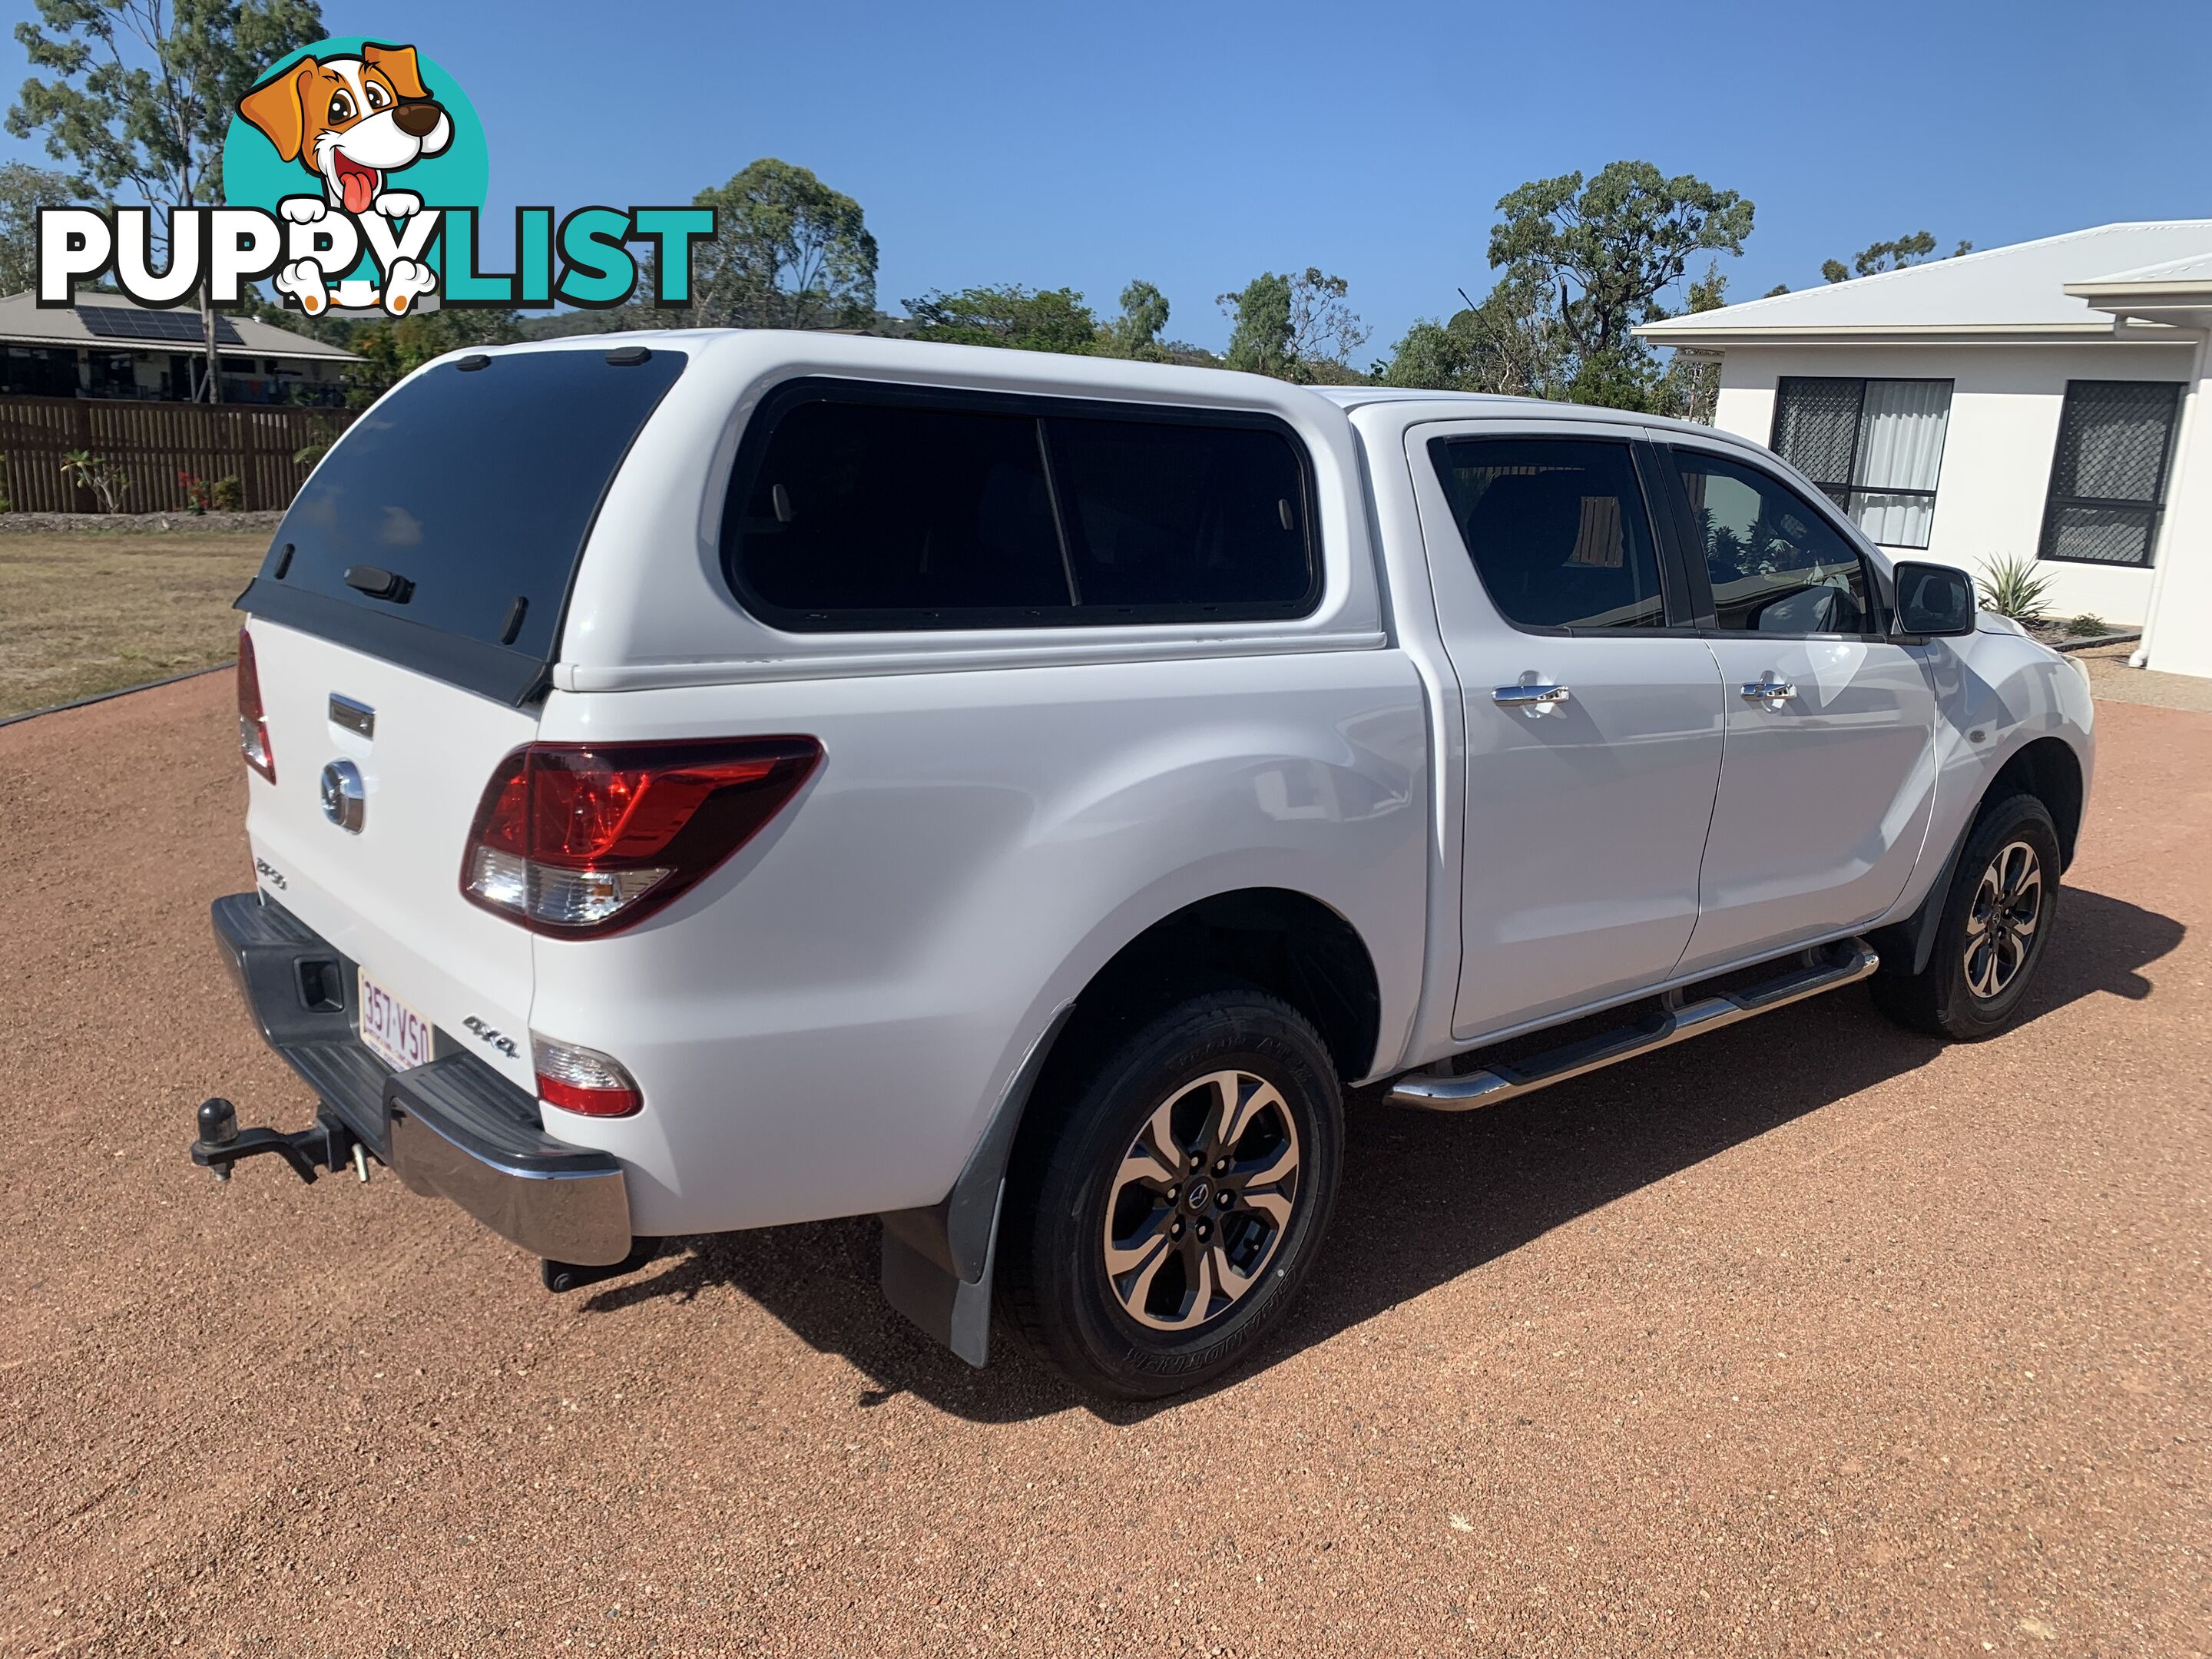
443, 530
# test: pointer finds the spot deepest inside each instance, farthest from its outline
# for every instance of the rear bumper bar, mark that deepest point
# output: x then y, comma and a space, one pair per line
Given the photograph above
454, 1129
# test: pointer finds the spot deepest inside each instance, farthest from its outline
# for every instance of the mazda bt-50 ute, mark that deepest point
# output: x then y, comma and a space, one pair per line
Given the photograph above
727, 779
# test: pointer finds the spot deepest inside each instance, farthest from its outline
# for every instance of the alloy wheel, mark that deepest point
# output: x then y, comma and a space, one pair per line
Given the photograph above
1201, 1200
2002, 923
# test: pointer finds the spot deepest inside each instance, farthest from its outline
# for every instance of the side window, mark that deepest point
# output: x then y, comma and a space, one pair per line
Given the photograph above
1776, 566
1163, 514
1557, 530
872, 508
885, 510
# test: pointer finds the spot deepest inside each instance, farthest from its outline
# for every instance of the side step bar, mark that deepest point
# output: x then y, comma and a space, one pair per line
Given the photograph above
1842, 965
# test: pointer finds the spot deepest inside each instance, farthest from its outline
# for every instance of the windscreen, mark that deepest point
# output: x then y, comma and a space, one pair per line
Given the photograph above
445, 526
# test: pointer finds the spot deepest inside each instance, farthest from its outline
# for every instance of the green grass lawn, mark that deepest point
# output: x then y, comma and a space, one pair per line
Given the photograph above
82, 613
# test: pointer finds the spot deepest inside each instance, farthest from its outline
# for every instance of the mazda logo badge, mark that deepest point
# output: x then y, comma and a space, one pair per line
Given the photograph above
344, 803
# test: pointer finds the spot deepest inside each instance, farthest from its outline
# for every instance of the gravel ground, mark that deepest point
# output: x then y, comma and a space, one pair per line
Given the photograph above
2113, 681
140, 524
1811, 1338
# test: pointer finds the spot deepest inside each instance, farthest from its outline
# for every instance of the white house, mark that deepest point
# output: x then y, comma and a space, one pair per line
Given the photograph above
2045, 399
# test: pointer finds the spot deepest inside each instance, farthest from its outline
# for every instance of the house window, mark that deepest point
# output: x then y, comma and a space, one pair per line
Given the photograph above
2108, 476
113, 374
1874, 446
38, 371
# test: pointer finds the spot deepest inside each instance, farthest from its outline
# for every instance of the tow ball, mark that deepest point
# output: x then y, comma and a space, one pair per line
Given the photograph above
322, 1144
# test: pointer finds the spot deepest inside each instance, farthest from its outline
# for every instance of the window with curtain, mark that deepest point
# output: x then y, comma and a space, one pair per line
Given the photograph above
1874, 446
2108, 476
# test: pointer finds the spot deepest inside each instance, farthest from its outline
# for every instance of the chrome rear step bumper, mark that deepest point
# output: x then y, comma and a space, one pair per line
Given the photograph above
1838, 966
454, 1129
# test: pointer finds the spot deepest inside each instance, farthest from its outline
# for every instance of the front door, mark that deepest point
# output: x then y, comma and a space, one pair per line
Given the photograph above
1592, 716
1829, 776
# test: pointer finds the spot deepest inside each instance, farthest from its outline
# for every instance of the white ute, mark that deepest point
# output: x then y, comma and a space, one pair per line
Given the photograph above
713, 779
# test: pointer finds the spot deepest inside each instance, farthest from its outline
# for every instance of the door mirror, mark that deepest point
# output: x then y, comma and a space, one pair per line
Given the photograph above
1933, 600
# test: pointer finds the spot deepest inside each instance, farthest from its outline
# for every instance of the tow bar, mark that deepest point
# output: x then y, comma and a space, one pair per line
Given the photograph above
325, 1144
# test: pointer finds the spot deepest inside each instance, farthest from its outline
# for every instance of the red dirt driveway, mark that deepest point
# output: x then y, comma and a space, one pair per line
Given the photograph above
1811, 1338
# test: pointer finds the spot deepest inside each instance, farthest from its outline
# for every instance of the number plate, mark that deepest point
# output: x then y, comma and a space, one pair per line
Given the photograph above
394, 1032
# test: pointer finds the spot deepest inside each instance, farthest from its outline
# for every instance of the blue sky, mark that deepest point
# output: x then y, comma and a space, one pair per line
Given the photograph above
1198, 144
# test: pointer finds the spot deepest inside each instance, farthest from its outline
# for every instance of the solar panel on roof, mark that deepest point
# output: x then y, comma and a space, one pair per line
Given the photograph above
121, 322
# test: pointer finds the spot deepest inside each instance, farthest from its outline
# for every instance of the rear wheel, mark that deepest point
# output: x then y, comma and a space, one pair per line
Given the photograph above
1161, 1221
1995, 925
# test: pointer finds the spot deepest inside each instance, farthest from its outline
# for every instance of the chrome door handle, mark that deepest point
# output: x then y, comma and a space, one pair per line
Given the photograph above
1536, 702
1768, 689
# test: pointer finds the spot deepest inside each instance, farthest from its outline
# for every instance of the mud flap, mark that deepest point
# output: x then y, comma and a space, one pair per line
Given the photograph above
938, 1260
954, 1310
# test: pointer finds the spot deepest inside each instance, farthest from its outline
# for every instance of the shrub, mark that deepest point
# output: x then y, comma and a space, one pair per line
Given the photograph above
2086, 624
226, 494
308, 453
107, 481
197, 491
2015, 587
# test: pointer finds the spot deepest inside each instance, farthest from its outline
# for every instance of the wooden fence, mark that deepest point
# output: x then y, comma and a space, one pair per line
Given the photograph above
153, 443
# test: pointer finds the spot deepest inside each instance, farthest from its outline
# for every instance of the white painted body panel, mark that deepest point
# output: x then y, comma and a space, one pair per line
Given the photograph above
1824, 799
823, 1026
1996, 692
1584, 825
390, 898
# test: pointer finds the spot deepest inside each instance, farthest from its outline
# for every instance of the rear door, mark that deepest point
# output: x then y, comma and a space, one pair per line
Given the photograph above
1592, 715
401, 628
1829, 776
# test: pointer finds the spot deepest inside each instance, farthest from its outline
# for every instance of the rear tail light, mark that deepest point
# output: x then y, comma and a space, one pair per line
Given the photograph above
252, 725
590, 838
579, 1079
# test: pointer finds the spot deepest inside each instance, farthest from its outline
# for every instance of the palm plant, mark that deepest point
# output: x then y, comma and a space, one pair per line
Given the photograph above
2016, 587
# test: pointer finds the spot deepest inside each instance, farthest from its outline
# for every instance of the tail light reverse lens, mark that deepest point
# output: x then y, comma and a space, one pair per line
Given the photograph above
590, 838
252, 725
579, 1079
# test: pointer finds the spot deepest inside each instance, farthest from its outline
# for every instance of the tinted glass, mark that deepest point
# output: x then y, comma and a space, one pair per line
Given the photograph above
861, 508
845, 514
1776, 566
1182, 516
1556, 528
477, 487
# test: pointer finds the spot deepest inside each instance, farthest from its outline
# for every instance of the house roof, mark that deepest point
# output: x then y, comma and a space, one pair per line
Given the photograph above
118, 324
2028, 291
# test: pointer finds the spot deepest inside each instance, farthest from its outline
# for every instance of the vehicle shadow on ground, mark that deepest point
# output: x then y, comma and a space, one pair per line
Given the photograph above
1449, 1191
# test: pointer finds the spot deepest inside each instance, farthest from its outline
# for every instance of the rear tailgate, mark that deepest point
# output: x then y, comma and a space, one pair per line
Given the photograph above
402, 628
389, 896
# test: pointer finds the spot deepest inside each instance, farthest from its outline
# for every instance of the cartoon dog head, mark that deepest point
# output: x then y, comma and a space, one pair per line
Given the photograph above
351, 120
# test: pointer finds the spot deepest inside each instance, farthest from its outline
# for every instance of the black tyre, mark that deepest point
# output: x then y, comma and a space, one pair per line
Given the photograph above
1996, 924
1162, 1214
